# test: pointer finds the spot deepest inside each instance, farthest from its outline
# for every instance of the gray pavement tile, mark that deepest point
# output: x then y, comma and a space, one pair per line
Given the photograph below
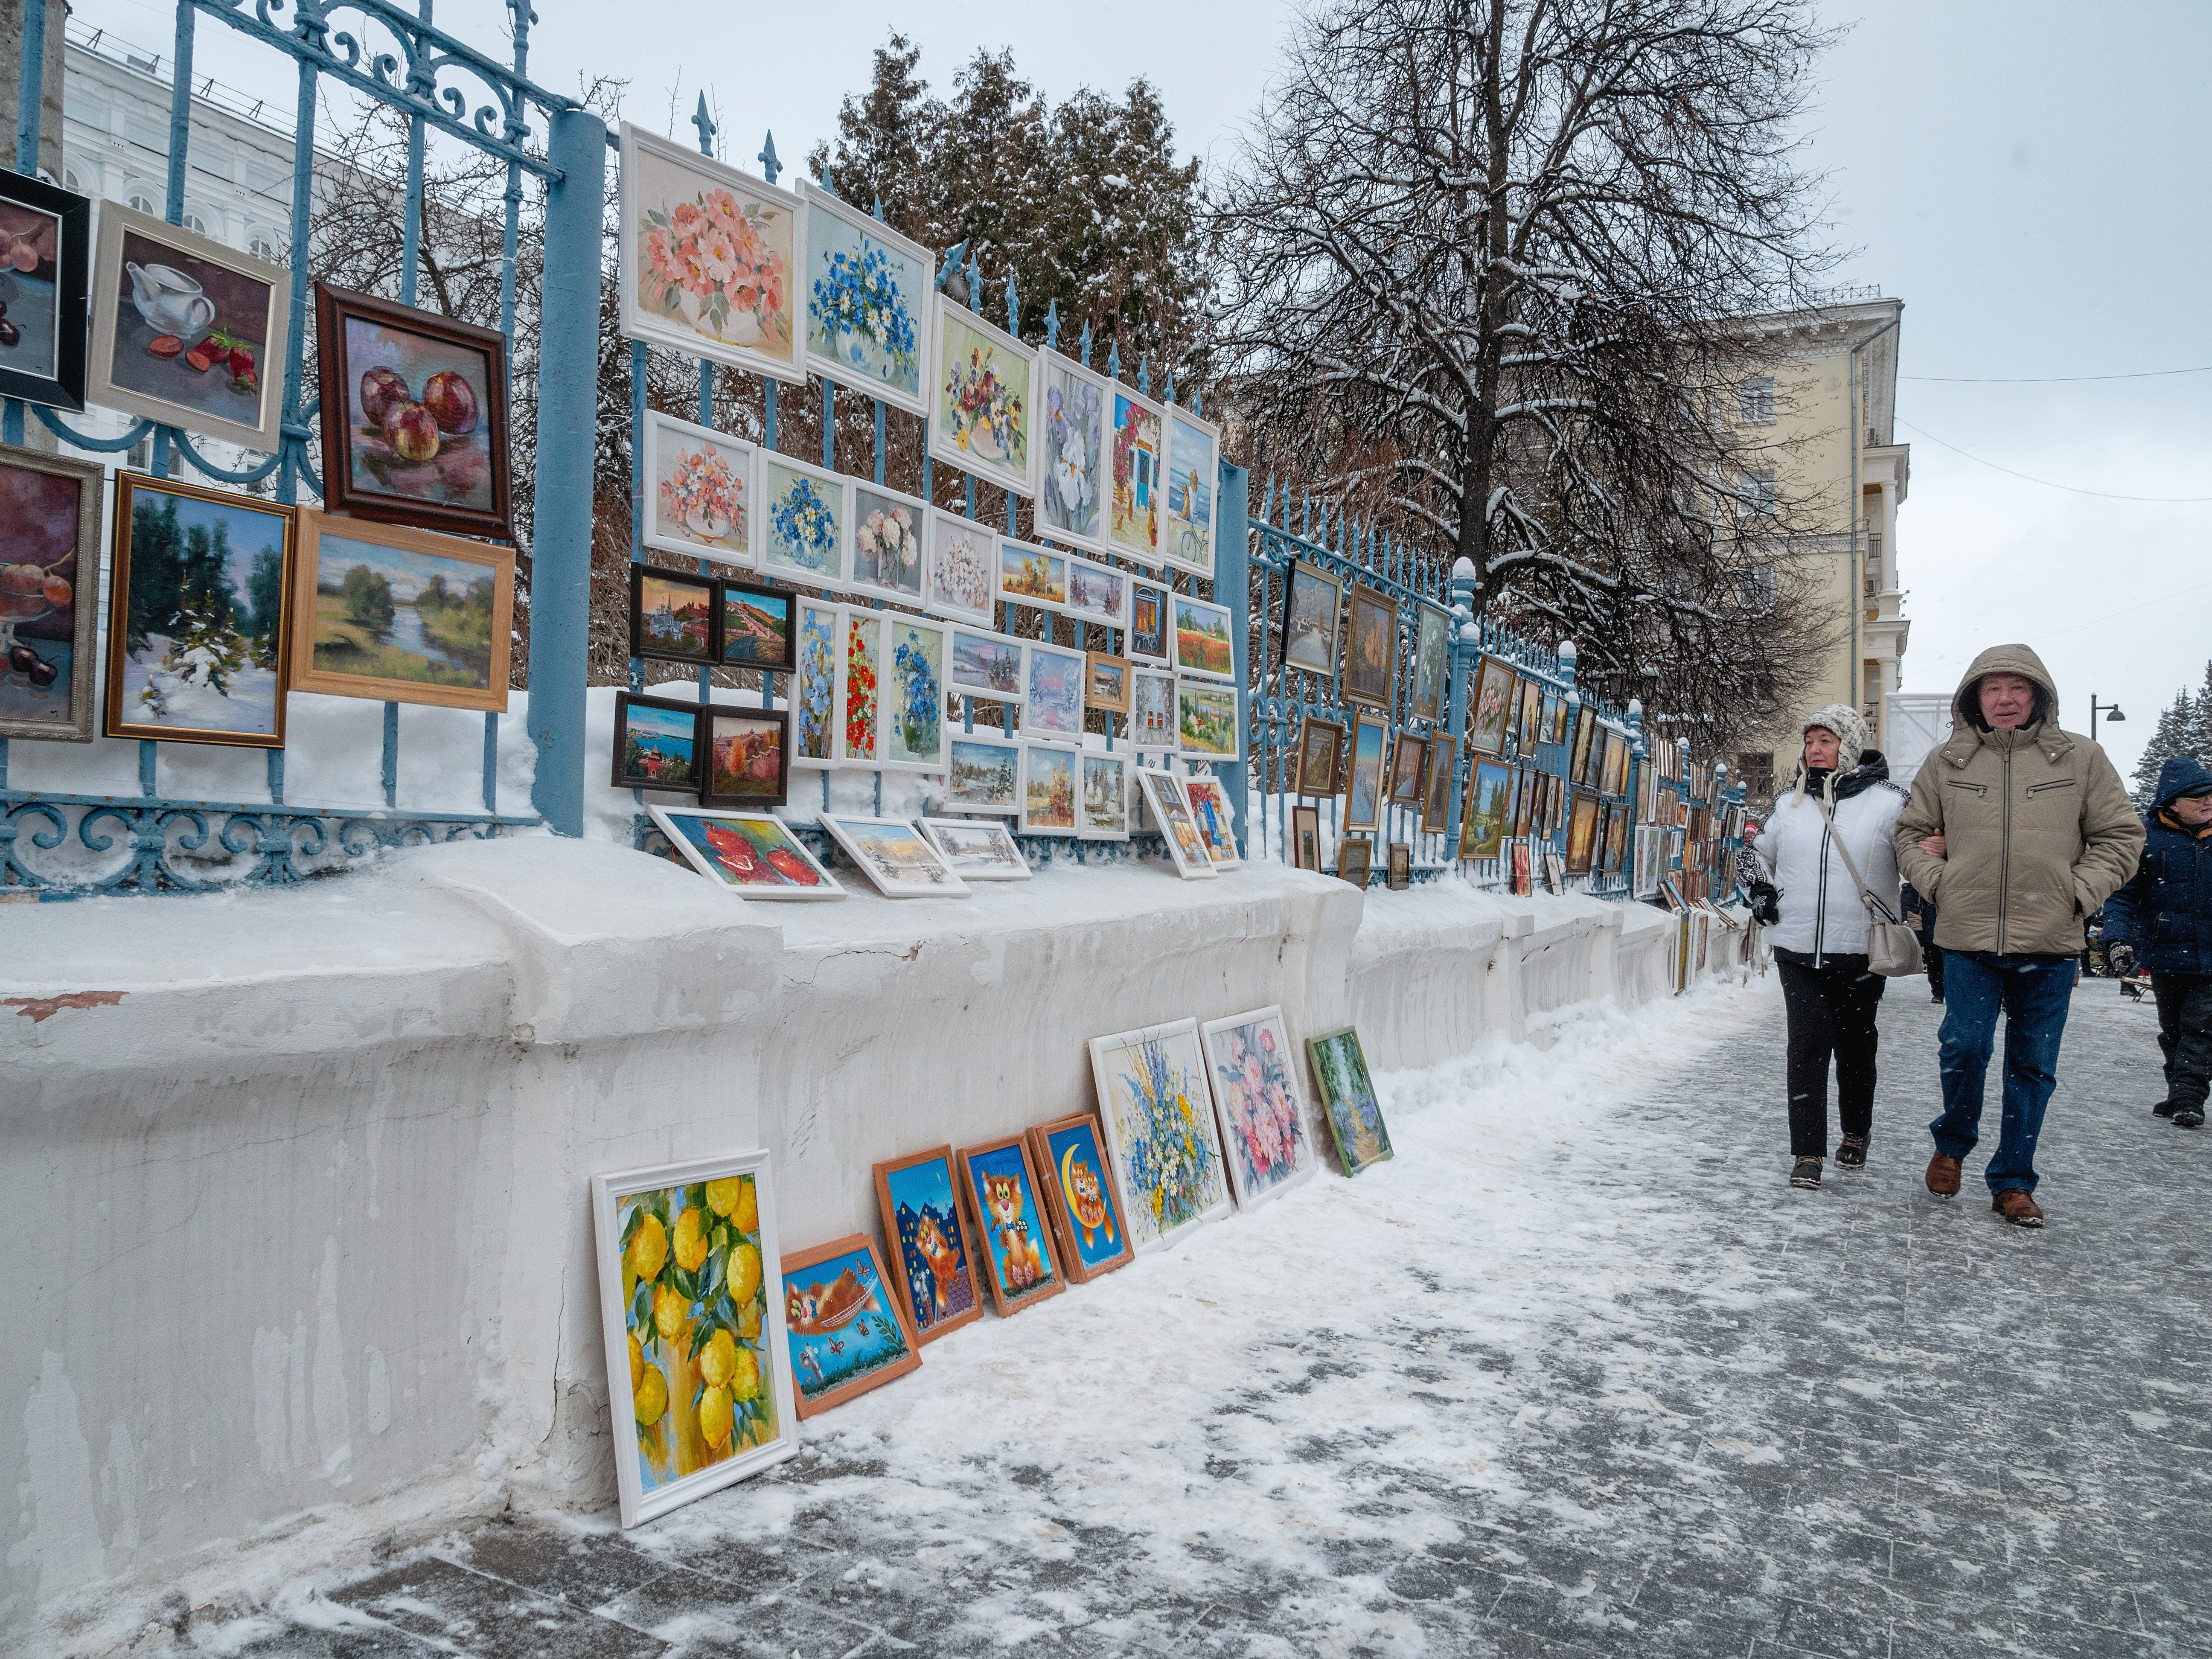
583, 1569
299, 1642
489, 1619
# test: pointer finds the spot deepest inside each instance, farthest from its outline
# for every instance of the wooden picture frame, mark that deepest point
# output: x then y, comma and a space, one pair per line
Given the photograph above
1431, 642
1055, 679
415, 420
1073, 481
1408, 775
751, 855
1437, 795
338, 643
1529, 727
898, 859
1371, 650
998, 1183
1321, 757
675, 616
1106, 683
637, 1216
1366, 776
915, 650
927, 1229
45, 361
757, 742
191, 292
1491, 709
1313, 609
1170, 810
1081, 1197
1581, 833
1398, 872
1306, 838
700, 490
1136, 449
668, 756
1489, 798
1355, 856
803, 534
844, 1319
167, 694
1585, 733
49, 593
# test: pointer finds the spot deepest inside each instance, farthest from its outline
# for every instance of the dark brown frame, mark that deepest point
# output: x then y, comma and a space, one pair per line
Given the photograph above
1437, 797
1359, 594
799, 1261
1307, 567
1580, 864
1303, 785
624, 702
888, 1212
333, 373
781, 719
1511, 708
1355, 860
1056, 1200
1397, 874
788, 663
1305, 820
640, 646
1030, 1298
64, 387
1390, 793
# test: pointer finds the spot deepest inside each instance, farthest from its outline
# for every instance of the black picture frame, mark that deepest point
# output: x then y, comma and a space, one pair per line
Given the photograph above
785, 663
629, 777
71, 272
712, 717
642, 641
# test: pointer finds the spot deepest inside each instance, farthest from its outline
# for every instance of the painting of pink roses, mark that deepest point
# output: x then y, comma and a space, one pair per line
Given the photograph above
1254, 1074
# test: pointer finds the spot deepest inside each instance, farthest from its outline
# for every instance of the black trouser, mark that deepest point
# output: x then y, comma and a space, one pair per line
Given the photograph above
1832, 1009
2184, 1034
1931, 958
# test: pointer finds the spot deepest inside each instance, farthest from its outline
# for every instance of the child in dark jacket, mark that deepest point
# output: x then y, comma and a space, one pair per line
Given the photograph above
2162, 921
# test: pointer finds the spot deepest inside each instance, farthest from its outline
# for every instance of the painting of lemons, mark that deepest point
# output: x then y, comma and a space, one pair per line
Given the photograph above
695, 1304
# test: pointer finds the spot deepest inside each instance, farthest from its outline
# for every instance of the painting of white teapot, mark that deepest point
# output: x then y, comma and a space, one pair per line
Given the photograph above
170, 301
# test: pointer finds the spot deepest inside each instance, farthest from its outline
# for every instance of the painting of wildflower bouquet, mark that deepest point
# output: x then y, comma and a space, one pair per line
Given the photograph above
864, 288
1254, 1073
887, 543
1159, 1122
707, 258
913, 736
695, 1355
806, 514
856, 682
980, 407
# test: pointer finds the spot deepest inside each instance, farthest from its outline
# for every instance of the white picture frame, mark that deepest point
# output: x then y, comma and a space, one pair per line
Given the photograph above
784, 553
1097, 594
859, 623
1227, 1077
1046, 768
1151, 621
608, 1193
983, 664
889, 527
1054, 680
1072, 487
961, 582
1028, 573
852, 358
656, 172
1121, 1074
1164, 800
1102, 798
673, 822
1136, 441
956, 330
1153, 710
1190, 514
978, 849
817, 686
898, 859
902, 630
673, 446
1203, 708
983, 773
1212, 810
1207, 651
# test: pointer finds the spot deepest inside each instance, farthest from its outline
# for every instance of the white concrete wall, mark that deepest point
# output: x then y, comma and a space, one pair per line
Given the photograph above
293, 1229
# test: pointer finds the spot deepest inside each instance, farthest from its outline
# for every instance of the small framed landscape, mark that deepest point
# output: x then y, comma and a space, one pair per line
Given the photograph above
1370, 664
1193, 461
1050, 785
1071, 478
978, 849
1253, 1070
1484, 823
1215, 819
1170, 810
1409, 763
1306, 838
1202, 643
744, 757
963, 578
752, 854
674, 616
49, 593
400, 615
699, 489
983, 664
847, 1331
981, 400
184, 329
708, 259
1107, 688
1167, 1154
414, 416
1206, 720
1151, 708
1355, 857
928, 1231
696, 1363
45, 288
1103, 812
1437, 794
1363, 785
805, 527
1347, 1097
895, 857
1054, 680
1070, 1156
756, 627
865, 288
1097, 594
1000, 1185
983, 773
1032, 575
1313, 601
656, 744
1321, 757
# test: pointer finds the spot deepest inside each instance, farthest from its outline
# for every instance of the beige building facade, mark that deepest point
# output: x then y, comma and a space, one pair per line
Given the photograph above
1815, 431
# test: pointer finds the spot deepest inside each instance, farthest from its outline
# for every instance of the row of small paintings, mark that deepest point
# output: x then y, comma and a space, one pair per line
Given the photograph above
723, 1360
718, 263
1315, 635
221, 604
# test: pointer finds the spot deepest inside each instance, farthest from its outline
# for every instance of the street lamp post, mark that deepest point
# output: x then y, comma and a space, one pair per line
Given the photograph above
2112, 711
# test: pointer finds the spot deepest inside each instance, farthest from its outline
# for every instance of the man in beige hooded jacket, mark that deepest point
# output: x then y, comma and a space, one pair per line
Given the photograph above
2016, 831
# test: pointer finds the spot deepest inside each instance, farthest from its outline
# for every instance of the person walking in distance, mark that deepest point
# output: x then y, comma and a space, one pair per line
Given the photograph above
2016, 831
2161, 921
1841, 815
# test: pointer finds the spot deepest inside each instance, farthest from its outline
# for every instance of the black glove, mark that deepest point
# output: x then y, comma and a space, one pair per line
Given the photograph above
1765, 906
2121, 959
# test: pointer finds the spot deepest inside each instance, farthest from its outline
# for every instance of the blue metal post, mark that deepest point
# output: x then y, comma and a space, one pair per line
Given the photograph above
1465, 657
1233, 561
567, 398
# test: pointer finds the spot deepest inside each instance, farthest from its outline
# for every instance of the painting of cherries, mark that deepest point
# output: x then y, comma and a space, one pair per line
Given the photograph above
424, 438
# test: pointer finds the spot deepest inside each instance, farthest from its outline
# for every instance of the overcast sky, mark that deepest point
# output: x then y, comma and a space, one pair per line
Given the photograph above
2034, 189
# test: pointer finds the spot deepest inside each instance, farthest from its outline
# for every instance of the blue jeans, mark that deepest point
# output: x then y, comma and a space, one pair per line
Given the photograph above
2035, 993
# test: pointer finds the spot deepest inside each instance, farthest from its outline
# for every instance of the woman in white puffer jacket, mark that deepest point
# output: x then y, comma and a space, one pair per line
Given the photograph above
1819, 941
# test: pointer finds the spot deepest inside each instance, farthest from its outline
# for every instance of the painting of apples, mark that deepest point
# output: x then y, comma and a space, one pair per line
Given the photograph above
420, 435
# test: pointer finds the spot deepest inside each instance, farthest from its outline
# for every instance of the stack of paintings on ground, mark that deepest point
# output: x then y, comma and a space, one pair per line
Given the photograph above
727, 1340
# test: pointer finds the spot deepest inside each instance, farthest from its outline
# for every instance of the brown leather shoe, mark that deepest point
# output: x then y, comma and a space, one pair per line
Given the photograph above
1943, 1175
2017, 1207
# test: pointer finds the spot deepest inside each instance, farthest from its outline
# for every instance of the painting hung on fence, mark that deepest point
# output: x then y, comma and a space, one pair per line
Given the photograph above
1437, 795
814, 684
1171, 812
1108, 688
887, 530
981, 406
1489, 798
1321, 757
1133, 450
746, 754
696, 1366
1306, 838
1020, 1263
895, 857
964, 557
1193, 455
1032, 575
756, 627
1363, 802
673, 616
1071, 484
49, 593
863, 286
1102, 814
1347, 1100
400, 615
47, 278
1253, 1072
1616, 839
1054, 683
988, 665
1151, 708
1097, 594
1160, 1131
1202, 643
1048, 789
1312, 600
656, 744
1530, 726
698, 488
708, 259
914, 714
1371, 668
1148, 622
752, 854
848, 1333
1615, 773
983, 773
806, 529
1215, 819
1493, 704
199, 637
1582, 833
1432, 626
930, 1235
978, 849
422, 439
1071, 1159
185, 330
860, 674
1585, 735
1409, 761
1206, 720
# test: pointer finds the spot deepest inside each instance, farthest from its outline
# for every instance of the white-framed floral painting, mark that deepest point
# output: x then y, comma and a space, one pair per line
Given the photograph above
806, 531
961, 580
982, 404
865, 290
699, 487
708, 259
888, 529
1073, 484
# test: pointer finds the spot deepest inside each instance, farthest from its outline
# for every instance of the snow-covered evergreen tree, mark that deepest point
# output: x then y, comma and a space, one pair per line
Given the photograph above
2180, 731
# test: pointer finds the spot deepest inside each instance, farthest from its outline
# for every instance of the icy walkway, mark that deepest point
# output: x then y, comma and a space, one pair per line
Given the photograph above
1575, 1374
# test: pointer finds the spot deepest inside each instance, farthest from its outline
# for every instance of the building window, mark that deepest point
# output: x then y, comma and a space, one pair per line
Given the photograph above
141, 201
197, 225
1754, 402
1757, 490
68, 182
260, 245
1755, 587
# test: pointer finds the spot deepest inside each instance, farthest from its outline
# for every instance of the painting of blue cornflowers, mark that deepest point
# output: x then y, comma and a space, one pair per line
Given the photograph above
864, 287
914, 699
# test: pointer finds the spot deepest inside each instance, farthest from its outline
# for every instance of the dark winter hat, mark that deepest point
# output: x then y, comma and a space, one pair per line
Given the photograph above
2182, 775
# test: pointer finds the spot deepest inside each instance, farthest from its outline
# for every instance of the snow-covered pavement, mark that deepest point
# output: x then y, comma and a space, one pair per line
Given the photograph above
1575, 1373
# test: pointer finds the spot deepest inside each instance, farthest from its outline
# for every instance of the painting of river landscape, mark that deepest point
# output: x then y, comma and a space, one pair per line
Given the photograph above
402, 614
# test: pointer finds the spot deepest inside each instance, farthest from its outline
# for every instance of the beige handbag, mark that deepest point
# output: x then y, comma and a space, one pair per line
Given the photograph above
1892, 948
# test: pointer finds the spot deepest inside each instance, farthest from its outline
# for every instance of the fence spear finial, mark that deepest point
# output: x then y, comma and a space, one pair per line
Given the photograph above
705, 123
769, 165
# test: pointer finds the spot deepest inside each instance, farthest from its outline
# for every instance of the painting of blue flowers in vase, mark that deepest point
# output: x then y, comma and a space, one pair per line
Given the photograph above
814, 685
1072, 487
806, 523
914, 723
865, 288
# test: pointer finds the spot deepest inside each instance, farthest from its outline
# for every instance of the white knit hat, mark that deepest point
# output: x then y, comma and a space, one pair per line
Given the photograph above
1850, 729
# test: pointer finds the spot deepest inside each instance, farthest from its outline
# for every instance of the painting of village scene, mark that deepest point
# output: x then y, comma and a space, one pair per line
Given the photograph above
756, 626
1135, 522
672, 616
1206, 720
656, 744
981, 775
747, 761
935, 1268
